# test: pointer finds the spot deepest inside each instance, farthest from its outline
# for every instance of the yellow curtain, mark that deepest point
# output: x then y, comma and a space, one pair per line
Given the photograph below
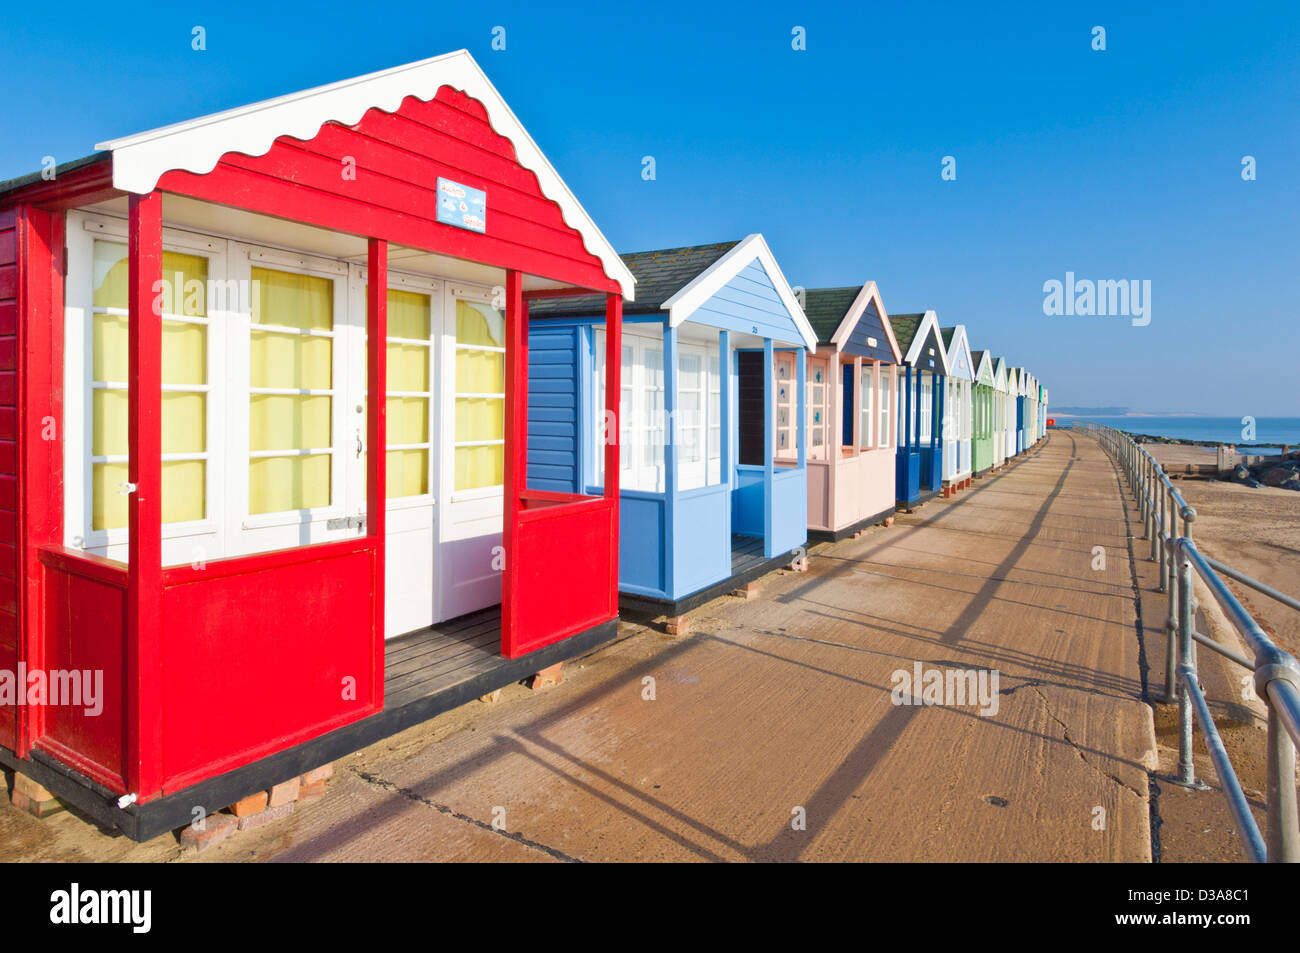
280, 359
410, 316
479, 418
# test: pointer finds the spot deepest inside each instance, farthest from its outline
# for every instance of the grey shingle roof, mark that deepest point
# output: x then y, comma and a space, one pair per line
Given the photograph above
659, 275
905, 326
947, 336
826, 308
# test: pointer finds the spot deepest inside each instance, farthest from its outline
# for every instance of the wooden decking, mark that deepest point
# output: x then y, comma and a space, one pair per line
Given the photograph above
746, 553
432, 660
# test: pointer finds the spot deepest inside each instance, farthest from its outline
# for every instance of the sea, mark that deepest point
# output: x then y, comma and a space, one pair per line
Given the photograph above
1270, 432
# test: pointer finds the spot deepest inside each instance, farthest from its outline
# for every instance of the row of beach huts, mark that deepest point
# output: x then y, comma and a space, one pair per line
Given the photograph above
194, 512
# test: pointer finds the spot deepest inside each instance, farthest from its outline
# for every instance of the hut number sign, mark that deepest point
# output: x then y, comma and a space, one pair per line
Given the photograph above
461, 206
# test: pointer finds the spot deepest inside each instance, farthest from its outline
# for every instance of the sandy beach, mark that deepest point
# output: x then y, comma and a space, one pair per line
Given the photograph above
1254, 530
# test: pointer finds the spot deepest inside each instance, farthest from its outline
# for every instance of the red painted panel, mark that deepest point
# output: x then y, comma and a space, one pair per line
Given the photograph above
8, 423
85, 630
8, 281
8, 388
9, 661
256, 663
9, 562
8, 462
8, 492
8, 527
560, 571
8, 247
40, 459
399, 158
8, 317
8, 353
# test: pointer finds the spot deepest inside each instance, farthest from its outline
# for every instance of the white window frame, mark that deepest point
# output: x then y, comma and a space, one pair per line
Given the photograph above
83, 229
345, 336
866, 403
480, 294
432, 287
886, 374
636, 423
703, 472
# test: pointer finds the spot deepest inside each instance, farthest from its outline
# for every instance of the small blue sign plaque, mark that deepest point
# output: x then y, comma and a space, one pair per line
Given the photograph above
462, 206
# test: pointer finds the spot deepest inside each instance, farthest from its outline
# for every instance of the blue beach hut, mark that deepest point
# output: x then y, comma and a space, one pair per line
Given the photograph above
713, 481
919, 464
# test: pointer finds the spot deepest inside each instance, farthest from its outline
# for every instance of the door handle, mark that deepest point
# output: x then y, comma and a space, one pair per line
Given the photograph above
360, 448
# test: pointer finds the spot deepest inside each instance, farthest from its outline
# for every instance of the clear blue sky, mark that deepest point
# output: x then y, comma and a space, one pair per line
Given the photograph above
1117, 164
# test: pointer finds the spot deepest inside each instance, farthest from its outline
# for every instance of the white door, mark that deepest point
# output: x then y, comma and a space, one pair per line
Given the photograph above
415, 322
472, 461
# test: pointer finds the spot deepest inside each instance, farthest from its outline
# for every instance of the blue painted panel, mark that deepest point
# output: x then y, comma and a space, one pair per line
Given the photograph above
553, 401
701, 539
907, 476
748, 514
925, 457
847, 393
789, 510
870, 326
749, 303
641, 540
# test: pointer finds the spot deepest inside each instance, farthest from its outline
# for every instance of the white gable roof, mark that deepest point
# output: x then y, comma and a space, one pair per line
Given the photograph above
709, 282
960, 362
1000, 374
929, 322
197, 145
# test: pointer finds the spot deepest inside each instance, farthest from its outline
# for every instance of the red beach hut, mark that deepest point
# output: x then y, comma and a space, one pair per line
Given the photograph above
202, 498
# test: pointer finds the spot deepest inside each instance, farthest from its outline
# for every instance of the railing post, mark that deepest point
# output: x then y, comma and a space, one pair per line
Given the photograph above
1171, 620
1164, 536
1152, 490
1186, 767
1283, 835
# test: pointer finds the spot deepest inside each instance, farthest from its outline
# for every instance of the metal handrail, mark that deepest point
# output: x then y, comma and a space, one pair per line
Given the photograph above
1276, 672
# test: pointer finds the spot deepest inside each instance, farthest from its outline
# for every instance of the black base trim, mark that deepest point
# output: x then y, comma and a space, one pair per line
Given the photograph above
142, 822
648, 605
834, 536
924, 496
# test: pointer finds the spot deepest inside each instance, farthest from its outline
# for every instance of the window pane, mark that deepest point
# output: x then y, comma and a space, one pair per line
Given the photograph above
289, 422
479, 467
479, 324
480, 372
276, 484
110, 275
408, 420
406, 473
480, 418
183, 485
184, 353
109, 343
408, 367
291, 300
183, 490
184, 424
290, 360
184, 418
109, 428
108, 504
408, 315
